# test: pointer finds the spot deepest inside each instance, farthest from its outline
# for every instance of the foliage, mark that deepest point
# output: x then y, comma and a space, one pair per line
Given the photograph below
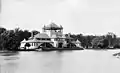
116, 46
26, 34
11, 39
105, 43
2, 30
97, 41
111, 38
34, 32
85, 40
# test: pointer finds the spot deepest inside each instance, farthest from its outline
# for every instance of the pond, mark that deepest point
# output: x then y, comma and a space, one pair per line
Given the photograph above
85, 61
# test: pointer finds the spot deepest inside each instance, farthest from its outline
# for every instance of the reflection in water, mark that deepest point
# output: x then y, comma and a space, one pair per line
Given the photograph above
9, 64
60, 62
9, 68
53, 63
10, 54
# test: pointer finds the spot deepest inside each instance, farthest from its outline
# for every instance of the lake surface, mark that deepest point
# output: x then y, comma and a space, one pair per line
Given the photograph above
85, 61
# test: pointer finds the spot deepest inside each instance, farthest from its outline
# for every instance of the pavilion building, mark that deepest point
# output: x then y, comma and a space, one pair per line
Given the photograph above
52, 35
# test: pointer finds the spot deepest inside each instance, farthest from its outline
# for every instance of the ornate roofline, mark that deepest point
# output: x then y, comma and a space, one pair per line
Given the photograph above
52, 27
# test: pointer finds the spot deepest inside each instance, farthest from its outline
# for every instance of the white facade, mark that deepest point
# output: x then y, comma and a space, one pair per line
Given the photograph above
52, 34
37, 40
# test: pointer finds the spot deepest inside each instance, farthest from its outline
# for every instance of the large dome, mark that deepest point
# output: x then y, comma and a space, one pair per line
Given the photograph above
52, 26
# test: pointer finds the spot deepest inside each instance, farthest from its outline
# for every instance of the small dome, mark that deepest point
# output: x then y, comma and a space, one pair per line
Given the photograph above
41, 35
52, 26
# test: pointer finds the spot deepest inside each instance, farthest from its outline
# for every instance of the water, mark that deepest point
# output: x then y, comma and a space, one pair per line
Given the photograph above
86, 61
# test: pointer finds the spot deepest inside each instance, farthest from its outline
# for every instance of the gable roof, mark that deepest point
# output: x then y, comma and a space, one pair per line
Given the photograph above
77, 41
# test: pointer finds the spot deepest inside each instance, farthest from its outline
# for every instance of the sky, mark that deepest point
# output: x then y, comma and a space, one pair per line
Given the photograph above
76, 16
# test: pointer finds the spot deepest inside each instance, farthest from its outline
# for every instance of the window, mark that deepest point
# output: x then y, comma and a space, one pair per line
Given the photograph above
43, 39
36, 44
38, 38
55, 39
48, 39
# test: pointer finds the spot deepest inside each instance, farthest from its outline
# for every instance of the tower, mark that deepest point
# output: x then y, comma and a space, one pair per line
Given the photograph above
53, 30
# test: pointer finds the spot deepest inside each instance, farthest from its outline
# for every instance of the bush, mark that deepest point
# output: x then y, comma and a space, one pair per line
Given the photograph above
116, 46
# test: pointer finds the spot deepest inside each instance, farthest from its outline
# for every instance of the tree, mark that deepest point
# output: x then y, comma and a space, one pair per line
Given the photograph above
10, 40
26, 34
2, 30
111, 38
34, 32
97, 41
19, 33
85, 40
89, 39
7, 40
105, 43
117, 43
19, 36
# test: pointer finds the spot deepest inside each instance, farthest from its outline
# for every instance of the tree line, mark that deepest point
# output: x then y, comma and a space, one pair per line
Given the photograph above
110, 40
11, 39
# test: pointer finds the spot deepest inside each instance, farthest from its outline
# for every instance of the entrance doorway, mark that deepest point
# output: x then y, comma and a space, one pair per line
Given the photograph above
47, 45
60, 45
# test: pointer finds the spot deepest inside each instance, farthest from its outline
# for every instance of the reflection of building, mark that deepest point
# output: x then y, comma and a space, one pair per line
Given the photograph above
52, 35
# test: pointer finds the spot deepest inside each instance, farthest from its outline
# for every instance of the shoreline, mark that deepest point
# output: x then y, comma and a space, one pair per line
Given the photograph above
55, 49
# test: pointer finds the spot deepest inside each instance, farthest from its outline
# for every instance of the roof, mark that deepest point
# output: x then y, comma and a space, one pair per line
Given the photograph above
62, 37
24, 40
68, 37
53, 37
41, 35
77, 41
35, 40
52, 26
32, 40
